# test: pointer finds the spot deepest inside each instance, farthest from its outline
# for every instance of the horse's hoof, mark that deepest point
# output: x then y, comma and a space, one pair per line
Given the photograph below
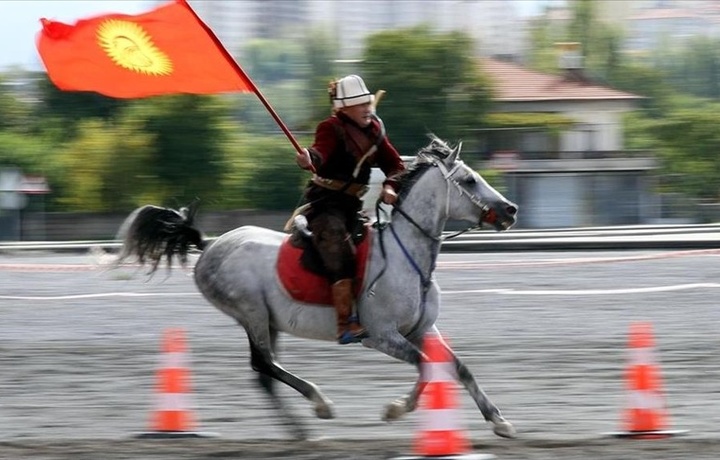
324, 411
394, 410
503, 428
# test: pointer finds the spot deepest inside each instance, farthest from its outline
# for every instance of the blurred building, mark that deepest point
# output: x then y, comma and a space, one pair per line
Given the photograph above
237, 22
580, 176
649, 24
495, 25
650, 28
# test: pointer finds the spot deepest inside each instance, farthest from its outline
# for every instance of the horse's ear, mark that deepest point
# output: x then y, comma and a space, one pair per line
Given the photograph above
455, 154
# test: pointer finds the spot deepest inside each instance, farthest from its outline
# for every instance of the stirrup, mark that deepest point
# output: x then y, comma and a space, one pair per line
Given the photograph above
352, 337
349, 337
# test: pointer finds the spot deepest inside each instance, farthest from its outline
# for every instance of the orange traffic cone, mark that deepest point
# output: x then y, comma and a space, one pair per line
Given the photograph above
645, 415
441, 436
172, 417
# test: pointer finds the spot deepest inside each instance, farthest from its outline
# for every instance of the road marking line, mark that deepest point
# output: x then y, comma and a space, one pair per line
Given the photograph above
98, 296
508, 291
460, 265
580, 292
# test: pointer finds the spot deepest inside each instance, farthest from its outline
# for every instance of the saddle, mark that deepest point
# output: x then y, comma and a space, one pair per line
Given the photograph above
300, 271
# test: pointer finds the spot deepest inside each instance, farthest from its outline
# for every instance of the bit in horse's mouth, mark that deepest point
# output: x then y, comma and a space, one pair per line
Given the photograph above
489, 217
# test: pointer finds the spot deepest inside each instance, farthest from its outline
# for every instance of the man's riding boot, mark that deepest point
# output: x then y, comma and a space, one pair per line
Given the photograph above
349, 329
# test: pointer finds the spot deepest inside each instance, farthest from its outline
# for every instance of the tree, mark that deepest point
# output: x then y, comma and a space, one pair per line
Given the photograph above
71, 107
14, 114
106, 167
692, 68
689, 141
644, 81
271, 61
187, 138
262, 174
31, 154
280, 69
582, 28
433, 84
319, 49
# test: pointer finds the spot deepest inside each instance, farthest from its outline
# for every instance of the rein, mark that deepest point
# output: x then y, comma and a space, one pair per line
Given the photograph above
424, 280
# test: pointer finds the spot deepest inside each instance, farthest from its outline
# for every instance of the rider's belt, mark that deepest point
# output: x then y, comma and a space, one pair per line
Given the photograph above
353, 189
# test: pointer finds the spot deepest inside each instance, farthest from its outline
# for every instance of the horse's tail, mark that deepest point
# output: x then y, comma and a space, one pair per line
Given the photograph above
151, 233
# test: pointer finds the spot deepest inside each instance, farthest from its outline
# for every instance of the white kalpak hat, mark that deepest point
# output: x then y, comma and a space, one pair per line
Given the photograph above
351, 90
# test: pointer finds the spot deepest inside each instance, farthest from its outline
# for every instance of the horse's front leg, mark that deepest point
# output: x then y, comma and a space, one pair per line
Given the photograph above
399, 347
490, 412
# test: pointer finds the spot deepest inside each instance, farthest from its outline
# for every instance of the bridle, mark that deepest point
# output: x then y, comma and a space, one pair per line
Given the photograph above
447, 175
425, 280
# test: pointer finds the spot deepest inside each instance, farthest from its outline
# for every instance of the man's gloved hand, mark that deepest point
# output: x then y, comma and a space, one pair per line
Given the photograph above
388, 195
303, 159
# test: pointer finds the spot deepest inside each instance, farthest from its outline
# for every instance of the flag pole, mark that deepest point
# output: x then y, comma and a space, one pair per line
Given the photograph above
252, 85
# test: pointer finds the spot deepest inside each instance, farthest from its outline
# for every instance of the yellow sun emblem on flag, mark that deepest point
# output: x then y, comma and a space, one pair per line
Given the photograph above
131, 47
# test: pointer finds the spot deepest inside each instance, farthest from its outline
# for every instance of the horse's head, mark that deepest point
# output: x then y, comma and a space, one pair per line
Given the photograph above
469, 197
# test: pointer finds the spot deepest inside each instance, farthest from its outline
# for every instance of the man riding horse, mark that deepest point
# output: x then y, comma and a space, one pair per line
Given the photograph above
346, 146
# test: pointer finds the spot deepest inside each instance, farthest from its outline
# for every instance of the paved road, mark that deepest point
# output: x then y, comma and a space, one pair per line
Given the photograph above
544, 332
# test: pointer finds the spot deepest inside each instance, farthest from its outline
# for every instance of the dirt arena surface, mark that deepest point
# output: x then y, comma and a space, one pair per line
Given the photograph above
544, 333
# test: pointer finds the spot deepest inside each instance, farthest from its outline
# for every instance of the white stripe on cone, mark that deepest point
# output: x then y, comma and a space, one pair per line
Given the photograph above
645, 400
174, 360
173, 401
441, 420
438, 372
641, 356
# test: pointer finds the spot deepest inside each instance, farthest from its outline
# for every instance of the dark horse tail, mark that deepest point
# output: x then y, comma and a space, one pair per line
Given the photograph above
151, 233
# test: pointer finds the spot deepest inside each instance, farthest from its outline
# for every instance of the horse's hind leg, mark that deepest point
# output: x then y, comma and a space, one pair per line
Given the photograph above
262, 360
267, 383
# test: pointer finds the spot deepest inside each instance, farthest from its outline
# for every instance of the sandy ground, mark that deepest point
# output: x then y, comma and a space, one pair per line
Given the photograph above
544, 333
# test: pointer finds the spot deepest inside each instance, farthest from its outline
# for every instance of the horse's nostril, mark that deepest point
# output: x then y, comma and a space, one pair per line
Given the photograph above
512, 210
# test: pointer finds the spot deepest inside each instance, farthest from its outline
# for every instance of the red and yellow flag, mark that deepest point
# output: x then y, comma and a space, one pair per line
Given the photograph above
168, 50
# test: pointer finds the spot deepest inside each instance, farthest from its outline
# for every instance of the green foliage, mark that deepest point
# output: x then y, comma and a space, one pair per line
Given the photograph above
105, 168
638, 130
319, 49
14, 114
693, 67
69, 108
288, 99
643, 81
187, 138
582, 28
550, 121
433, 84
262, 174
272, 61
27, 153
689, 143
542, 55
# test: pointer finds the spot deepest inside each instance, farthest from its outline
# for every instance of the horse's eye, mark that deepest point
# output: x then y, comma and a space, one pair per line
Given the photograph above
470, 180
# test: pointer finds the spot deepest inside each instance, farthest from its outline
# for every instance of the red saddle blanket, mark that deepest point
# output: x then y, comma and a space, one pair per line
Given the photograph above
305, 286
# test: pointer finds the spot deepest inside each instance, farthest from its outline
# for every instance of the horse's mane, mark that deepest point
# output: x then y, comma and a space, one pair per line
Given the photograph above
437, 149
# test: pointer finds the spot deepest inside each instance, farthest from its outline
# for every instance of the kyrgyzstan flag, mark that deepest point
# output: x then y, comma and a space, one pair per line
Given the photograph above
164, 51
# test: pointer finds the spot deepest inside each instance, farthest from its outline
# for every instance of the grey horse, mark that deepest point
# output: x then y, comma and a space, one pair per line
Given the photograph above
398, 305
